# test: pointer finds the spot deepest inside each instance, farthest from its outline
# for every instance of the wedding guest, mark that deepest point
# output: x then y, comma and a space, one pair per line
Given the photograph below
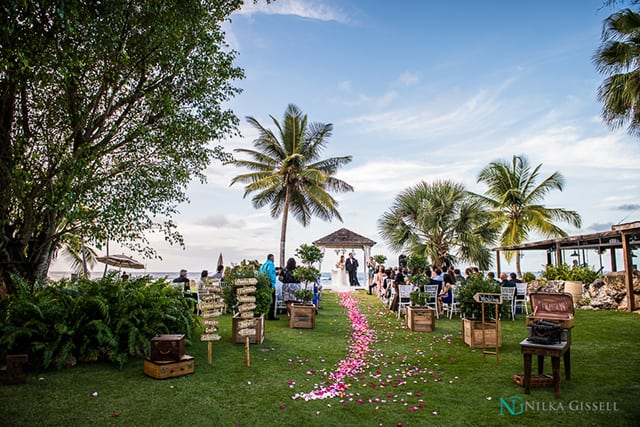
269, 268
445, 295
289, 284
371, 271
219, 273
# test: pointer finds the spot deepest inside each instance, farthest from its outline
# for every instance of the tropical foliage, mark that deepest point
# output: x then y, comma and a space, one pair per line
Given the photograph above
618, 59
247, 270
439, 221
108, 110
108, 319
514, 198
576, 273
288, 174
380, 259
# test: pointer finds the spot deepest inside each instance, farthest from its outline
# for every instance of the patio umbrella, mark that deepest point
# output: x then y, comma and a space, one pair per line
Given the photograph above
121, 261
220, 261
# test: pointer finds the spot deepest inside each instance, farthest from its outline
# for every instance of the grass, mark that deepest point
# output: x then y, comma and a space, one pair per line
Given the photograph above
446, 382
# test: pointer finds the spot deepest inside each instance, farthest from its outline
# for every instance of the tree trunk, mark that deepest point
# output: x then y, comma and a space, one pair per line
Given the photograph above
518, 269
283, 230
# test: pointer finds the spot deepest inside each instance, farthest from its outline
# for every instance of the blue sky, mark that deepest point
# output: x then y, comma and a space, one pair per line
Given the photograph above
416, 90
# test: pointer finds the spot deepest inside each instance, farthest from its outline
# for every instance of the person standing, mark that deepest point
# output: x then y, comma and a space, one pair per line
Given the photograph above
352, 268
371, 271
269, 268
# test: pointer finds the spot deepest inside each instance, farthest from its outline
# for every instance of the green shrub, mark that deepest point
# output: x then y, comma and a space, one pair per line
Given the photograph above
248, 270
467, 289
528, 277
106, 319
417, 263
576, 273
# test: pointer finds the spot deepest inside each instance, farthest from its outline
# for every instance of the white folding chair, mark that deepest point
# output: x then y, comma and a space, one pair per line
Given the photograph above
432, 300
453, 306
509, 297
521, 297
403, 297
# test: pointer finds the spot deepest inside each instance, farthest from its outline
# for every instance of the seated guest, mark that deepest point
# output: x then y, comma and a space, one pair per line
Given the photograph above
445, 295
218, 274
505, 282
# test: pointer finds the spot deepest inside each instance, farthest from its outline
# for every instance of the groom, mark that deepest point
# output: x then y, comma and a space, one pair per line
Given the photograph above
352, 268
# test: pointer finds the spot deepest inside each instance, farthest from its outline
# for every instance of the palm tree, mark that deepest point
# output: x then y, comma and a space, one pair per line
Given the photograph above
514, 199
618, 58
440, 221
289, 175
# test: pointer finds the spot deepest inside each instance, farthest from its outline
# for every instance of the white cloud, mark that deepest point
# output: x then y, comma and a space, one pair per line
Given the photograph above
302, 8
407, 79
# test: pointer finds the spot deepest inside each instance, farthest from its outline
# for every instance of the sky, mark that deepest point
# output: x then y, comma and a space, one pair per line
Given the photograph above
416, 91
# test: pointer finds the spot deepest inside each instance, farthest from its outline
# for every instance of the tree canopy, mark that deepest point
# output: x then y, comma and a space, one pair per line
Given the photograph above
107, 110
288, 174
440, 221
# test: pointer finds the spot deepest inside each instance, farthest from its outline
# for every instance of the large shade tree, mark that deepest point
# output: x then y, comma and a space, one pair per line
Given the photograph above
441, 221
107, 110
514, 197
288, 174
618, 58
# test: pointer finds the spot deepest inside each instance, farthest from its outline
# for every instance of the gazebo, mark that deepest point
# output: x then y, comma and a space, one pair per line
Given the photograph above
344, 239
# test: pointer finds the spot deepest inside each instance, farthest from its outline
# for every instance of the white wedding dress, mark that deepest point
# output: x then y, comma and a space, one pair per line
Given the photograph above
339, 278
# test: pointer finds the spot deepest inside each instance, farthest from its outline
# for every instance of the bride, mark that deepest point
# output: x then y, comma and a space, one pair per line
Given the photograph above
339, 275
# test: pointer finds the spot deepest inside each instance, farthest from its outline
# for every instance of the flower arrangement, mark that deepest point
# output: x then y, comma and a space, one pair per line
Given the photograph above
340, 265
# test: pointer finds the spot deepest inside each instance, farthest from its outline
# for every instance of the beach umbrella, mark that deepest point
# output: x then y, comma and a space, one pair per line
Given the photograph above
121, 261
220, 261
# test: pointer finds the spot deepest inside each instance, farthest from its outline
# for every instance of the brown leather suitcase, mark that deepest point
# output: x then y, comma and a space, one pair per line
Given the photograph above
167, 348
164, 370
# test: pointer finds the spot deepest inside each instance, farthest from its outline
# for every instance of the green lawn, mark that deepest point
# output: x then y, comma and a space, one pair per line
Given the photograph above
415, 379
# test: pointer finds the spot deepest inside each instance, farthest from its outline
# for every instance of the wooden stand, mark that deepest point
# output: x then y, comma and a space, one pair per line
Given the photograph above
211, 306
555, 351
302, 316
421, 319
247, 327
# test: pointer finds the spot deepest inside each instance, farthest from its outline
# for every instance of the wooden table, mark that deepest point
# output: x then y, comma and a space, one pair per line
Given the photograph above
555, 351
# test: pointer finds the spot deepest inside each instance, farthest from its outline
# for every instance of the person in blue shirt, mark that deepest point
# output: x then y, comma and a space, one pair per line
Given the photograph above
269, 268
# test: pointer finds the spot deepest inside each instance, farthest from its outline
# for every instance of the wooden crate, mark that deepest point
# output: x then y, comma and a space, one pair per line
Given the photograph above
302, 316
258, 338
472, 333
167, 348
164, 370
421, 319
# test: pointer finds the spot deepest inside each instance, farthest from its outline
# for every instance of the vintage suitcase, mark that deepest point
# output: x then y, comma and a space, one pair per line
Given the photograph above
167, 348
551, 307
164, 370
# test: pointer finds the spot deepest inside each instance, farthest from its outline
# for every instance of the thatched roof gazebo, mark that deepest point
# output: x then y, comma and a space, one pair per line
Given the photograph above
342, 240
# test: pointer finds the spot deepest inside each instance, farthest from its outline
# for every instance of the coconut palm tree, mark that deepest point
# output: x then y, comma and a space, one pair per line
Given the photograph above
288, 174
515, 198
440, 221
618, 58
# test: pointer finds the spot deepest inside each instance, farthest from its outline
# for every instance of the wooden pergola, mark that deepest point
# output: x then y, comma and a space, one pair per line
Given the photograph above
344, 239
622, 236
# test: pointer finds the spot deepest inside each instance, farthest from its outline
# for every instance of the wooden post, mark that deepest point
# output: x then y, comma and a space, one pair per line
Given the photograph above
491, 299
247, 353
209, 352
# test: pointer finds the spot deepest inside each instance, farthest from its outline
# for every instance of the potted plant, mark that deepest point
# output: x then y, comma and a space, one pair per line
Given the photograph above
471, 312
247, 270
303, 315
420, 317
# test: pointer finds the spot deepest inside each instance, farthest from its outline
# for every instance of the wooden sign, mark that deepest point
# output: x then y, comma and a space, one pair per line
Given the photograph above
246, 307
246, 315
246, 298
243, 324
247, 332
212, 305
210, 322
211, 330
246, 282
247, 290
488, 298
210, 337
